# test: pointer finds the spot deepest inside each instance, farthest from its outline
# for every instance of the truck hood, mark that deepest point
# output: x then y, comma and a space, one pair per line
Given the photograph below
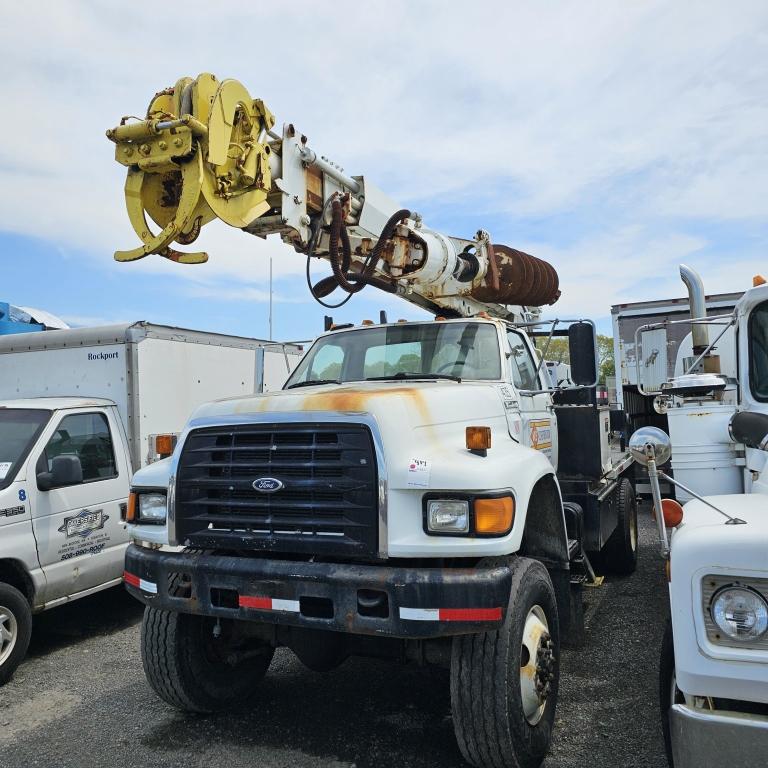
419, 423
705, 538
414, 404
750, 507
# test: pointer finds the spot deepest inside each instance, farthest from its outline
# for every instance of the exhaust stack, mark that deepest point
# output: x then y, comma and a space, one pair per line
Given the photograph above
698, 307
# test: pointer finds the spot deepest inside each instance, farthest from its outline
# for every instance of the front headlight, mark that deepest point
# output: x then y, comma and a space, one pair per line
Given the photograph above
152, 507
448, 515
740, 613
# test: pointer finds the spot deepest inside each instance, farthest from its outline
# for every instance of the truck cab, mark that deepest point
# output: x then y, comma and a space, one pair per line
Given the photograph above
399, 497
714, 663
64, 479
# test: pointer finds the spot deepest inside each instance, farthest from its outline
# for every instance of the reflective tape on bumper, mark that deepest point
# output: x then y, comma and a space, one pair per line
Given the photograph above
135, 581
268, 603
451, 614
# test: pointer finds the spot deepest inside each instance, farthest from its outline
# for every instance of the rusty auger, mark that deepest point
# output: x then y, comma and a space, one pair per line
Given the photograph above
200, 154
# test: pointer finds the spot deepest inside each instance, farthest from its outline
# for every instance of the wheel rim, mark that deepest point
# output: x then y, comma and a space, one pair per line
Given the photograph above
633, 528
9, 631
537, 664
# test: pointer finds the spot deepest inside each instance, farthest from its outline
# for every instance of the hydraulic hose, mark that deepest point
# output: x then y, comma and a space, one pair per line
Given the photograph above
341, 259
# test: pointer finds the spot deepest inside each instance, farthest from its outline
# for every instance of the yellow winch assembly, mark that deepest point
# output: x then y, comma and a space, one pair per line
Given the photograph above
201, 153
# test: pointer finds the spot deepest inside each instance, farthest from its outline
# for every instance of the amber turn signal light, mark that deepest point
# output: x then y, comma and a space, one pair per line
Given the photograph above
478, 438
164, 445
672, 511
133, 505
494, 516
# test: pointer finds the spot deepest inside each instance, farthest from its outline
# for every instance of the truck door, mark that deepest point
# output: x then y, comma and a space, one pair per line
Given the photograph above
80, 536
538, 428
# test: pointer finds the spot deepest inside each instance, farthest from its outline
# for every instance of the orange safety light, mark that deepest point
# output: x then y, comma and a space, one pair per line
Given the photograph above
478, 438
368, 322
132, 509
672, 511
758, 280
494, 516
164, 445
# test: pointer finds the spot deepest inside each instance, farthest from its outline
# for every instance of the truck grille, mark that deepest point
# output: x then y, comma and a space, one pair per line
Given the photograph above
328, 503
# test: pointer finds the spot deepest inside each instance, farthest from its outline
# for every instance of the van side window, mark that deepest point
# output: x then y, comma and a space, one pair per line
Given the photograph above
85, 435
521, 362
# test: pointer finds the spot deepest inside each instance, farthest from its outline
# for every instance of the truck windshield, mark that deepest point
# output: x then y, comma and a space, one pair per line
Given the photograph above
758, 352
19, 428
409, 351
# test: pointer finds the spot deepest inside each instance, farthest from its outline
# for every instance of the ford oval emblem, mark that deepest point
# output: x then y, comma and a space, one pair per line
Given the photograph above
267, 485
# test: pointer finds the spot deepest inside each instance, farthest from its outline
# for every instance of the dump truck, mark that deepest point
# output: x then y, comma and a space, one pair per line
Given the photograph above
81, 410
416, 491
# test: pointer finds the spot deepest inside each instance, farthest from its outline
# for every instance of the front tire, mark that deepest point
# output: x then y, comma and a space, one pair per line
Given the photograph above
15, 630
193, 669
504, 683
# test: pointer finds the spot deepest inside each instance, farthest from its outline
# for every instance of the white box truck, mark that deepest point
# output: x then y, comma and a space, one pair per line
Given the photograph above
80, 412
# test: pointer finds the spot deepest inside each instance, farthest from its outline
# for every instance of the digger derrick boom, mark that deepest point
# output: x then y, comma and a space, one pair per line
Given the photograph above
207, 150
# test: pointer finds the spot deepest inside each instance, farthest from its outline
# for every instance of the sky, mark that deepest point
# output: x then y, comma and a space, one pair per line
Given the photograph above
615, 140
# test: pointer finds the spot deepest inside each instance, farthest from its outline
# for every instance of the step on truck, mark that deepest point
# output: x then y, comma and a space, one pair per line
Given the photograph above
80, 411
713, 673
417, 490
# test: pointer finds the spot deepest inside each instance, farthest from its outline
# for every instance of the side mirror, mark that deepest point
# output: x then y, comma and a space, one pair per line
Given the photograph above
749, 428
650, 443
65, 470
582, 348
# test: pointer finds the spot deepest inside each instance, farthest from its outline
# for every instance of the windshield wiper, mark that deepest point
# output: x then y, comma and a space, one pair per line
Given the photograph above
414, 376
312, 382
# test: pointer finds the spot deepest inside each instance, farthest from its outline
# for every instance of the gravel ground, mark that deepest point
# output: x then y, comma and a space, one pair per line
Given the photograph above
80, 699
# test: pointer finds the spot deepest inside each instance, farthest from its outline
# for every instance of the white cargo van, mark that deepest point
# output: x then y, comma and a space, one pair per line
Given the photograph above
80, 411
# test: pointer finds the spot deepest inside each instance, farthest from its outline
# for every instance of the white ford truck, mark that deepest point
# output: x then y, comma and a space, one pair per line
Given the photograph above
714, 659
416, 491
80, 411
400, 497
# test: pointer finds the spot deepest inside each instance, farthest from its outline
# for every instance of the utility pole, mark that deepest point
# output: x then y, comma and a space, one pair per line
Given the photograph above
270, 299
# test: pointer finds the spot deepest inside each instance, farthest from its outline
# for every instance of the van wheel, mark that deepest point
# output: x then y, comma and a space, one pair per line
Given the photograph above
15, 630
620, 553
198, 666
504, 683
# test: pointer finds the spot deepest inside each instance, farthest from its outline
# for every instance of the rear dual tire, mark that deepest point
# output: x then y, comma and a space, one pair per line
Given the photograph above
619, 555
504, 683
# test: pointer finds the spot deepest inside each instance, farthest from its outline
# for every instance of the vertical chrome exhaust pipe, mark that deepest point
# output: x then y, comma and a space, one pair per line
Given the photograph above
698, 305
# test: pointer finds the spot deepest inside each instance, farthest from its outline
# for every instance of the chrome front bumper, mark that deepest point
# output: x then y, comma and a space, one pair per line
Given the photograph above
705, 739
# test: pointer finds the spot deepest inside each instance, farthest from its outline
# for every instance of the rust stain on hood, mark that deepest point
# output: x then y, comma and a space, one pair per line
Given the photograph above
345, 399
